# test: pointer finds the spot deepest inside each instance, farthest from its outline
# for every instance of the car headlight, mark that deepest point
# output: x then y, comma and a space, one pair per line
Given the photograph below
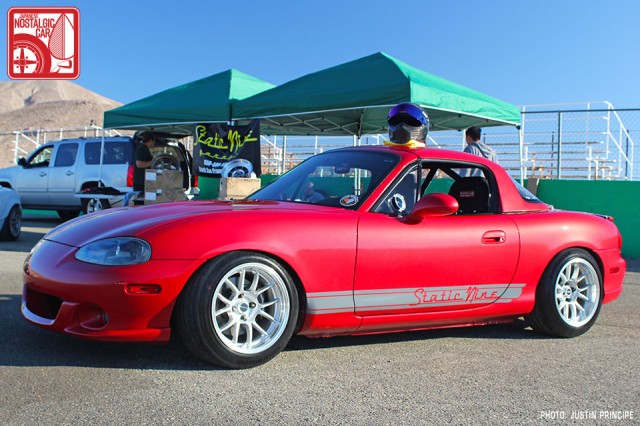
115, 251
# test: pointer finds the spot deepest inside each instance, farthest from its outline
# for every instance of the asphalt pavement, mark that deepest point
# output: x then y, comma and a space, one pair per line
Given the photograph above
481, 375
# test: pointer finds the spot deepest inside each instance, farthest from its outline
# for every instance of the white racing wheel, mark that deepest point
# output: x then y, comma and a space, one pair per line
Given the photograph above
238, 168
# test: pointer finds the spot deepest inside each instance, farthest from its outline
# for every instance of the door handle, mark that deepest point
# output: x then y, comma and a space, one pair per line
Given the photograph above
494, 237
42, 174
69, 173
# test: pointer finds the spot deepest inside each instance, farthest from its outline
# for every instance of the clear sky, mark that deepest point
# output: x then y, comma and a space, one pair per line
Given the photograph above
521, 51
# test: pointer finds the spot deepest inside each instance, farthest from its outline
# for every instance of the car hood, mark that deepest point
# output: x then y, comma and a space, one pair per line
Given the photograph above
132, 221
8, 197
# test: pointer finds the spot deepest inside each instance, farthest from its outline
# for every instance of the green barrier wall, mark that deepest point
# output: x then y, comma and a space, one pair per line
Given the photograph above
618, 199
209, 187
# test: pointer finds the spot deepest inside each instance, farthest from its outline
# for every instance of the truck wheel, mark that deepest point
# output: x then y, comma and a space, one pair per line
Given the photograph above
90, 205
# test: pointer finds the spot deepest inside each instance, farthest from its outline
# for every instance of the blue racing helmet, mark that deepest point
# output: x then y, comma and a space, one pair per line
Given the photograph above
407, 121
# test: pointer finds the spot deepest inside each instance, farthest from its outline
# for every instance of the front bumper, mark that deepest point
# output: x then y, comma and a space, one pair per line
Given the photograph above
97, 302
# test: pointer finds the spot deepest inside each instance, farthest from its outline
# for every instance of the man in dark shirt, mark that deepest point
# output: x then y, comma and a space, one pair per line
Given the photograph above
143, 160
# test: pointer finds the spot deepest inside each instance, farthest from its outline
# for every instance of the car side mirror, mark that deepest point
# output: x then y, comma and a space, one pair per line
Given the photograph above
436, 204
22, 162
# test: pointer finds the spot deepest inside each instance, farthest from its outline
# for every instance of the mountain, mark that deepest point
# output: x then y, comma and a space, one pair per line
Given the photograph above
29, 106
49, 104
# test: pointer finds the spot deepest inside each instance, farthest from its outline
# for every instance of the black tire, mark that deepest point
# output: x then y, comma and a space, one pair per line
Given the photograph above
12, 224
166, 162
220, 320
90, 205
67, 214
569, 295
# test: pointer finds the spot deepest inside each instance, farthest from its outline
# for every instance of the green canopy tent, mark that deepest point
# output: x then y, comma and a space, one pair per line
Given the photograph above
354, 98
176, 110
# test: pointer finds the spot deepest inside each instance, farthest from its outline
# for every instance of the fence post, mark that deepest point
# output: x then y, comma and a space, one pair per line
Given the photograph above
15, 155
626, 153
559, 168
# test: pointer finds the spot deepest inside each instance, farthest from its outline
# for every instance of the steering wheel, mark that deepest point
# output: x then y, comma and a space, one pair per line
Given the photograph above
166, 162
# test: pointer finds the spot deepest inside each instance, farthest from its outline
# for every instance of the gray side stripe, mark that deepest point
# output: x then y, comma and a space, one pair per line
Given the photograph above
410, 298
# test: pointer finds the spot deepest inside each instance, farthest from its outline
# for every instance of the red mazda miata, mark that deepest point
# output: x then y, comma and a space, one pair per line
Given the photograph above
352, 241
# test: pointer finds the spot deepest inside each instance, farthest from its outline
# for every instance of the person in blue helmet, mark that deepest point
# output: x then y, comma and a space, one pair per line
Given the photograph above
408, 125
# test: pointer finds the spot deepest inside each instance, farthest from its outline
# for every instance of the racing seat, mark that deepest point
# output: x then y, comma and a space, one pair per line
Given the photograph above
472, 194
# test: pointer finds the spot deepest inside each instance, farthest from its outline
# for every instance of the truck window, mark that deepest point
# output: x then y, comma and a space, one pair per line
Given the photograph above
66, 155
114, 153
41, 157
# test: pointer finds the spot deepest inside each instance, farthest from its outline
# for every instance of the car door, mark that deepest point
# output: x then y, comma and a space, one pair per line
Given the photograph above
33, 179
439, 263
62, 175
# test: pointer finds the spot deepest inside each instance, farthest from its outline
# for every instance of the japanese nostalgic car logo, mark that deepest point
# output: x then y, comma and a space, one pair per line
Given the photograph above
43, 43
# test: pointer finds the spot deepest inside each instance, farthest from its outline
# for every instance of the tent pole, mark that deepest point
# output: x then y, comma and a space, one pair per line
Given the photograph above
356, 175
275, 153
101, 159
284, 153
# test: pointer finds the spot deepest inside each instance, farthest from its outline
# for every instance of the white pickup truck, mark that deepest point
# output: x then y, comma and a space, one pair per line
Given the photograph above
51, 177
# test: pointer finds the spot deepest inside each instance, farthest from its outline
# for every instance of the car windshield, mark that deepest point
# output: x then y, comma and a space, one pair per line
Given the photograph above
343, 178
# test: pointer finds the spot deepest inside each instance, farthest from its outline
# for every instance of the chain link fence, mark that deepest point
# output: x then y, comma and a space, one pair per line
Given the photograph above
575, 142
591, 143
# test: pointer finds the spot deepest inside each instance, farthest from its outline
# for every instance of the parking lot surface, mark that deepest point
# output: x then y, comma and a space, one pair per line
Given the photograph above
480, 375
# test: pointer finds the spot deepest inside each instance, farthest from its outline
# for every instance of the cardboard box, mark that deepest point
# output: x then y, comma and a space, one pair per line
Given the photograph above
161, 178
237, 188
161, 195
161, 186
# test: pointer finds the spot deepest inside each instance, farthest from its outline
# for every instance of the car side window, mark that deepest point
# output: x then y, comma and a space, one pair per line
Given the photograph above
66, 155
402, 196
41, 157
473, 187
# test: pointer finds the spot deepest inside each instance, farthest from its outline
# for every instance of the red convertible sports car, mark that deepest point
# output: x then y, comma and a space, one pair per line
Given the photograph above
352, 241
